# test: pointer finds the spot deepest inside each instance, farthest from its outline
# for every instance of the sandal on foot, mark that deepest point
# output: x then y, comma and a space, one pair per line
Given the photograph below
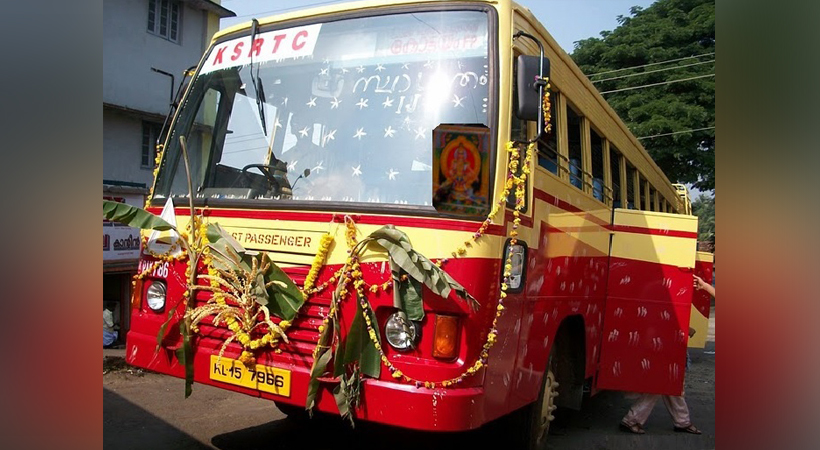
635, 429
689, 429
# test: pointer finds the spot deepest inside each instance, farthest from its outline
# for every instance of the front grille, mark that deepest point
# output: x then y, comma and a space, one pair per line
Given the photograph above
303, 333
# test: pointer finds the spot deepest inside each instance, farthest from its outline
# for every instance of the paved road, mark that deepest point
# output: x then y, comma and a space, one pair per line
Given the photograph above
148, 411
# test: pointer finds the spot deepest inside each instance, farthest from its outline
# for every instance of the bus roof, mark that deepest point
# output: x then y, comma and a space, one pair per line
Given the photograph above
340, 7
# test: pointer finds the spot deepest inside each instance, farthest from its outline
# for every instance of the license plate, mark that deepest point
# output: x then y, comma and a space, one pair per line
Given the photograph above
263, 378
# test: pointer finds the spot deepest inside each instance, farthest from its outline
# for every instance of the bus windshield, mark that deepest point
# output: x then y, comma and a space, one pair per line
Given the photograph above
341, 111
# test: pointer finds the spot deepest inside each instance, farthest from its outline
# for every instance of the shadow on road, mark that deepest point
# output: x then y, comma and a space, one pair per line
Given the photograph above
132, 427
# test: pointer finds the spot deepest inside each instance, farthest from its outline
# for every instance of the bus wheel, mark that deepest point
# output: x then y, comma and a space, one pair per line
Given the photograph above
541, 411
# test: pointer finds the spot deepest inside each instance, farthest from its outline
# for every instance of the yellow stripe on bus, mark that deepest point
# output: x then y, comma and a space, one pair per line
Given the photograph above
656, 220
668, 250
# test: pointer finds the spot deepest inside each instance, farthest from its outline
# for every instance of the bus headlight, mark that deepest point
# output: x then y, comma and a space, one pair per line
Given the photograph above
155, 296
401, 333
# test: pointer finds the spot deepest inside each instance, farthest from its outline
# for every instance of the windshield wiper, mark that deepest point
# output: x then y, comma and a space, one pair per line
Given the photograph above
257, 82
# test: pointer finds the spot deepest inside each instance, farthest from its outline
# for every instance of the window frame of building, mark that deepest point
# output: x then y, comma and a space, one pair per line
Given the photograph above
168, 27
150, 134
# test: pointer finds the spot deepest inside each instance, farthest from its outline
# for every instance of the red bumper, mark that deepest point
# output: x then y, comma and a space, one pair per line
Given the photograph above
396, 404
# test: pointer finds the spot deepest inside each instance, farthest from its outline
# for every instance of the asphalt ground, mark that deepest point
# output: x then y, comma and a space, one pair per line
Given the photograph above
148, 410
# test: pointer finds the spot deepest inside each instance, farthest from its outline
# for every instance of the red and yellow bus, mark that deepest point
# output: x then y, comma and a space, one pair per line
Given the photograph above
357, 116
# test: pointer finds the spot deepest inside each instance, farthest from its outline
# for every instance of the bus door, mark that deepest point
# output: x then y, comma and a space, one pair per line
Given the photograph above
701, 301
649, 298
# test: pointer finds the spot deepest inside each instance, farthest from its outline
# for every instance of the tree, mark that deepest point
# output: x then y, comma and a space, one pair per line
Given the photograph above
704, 208
662, 35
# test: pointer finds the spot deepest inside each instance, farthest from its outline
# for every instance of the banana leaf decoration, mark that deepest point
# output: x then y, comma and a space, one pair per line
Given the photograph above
419, 270
133, 216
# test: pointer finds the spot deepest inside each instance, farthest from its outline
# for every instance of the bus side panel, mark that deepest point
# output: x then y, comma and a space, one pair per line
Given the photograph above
646, 318
701, 301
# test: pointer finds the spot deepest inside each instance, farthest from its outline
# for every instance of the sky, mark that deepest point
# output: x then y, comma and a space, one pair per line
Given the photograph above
567, 20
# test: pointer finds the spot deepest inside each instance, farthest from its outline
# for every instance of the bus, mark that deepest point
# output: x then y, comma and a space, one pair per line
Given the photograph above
558, 257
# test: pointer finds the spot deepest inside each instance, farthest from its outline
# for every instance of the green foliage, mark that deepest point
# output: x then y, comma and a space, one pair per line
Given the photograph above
704, 208
667, 30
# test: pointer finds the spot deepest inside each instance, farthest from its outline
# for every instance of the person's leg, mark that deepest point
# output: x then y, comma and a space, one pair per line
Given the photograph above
640, 410
678, 409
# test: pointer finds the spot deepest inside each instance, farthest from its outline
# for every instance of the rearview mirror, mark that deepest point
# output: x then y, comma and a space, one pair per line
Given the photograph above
529, 98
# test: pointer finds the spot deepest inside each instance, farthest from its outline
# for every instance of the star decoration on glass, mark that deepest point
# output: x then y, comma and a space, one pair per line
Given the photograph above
304, 131
345, 70
323, 71
428, 64
389, 131
335, 103
326, 61
292, 165
330, 136
406, 123
284, 101
318, 167
359, 133
405, 66
379, 67
419, 132
311, 103
277, 123
362, 103
457, 101
391, 174
388, 102
360, 69
357, 170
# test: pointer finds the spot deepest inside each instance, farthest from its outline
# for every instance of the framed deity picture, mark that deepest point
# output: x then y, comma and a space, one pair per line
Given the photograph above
461, 169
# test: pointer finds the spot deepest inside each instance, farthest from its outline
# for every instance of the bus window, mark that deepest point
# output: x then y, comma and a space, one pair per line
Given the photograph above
615, 167
576, 167
631, 189
548, 147
597, 152
644, 184
518, 127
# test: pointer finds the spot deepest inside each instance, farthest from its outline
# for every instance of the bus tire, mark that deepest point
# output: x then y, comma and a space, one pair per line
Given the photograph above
540, 413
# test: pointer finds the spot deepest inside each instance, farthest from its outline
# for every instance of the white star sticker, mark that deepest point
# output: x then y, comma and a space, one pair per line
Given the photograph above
379, 68
457, 100
362, 103
292, 165
392, 174
360, 69
277, 124
323, 71
388, 102
359, 133
428, 64
285, 101
345, 70
419, 132
326, 61
335, 103
356, 170
405, 66
389, 131
304, 131
311, 103
318, 167
331, 136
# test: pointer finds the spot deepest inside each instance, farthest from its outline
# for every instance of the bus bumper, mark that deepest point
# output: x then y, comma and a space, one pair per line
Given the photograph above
384, 402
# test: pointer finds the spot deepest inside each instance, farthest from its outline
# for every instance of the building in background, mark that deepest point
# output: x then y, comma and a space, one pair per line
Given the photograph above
147, 46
